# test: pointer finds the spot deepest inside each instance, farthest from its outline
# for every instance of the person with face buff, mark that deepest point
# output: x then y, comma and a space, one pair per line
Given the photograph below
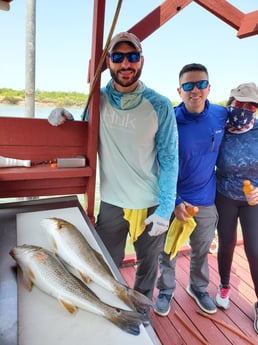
138, 161
238, 161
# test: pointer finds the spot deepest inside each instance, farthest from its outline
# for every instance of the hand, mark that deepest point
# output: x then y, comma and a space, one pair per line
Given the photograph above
181, 212
159, 225
59, 116
252, 197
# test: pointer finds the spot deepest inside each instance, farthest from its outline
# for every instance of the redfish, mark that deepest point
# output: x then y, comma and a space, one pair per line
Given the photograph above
41, 268
87, 264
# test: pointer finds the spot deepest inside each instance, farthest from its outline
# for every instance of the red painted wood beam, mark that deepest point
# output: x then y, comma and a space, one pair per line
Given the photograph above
249, 25
246, 24
159, 16
96, 51
224, 11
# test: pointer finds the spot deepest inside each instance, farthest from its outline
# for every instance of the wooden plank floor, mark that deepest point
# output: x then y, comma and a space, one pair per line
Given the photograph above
184, 325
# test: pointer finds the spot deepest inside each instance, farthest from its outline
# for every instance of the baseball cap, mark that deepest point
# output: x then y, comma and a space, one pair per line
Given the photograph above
247, 92
125, 37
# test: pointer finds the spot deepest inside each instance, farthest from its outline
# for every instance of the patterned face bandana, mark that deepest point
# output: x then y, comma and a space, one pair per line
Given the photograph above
239, 120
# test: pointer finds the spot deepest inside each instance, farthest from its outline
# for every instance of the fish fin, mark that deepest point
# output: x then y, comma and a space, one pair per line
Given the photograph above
103, 262
68, 306
28, 284
59, 223
74, 271
30, 273
128, 321
84, 277
54, 245
27, 280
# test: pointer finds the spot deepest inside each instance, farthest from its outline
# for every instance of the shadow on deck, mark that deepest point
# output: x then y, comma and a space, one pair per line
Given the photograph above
184, 326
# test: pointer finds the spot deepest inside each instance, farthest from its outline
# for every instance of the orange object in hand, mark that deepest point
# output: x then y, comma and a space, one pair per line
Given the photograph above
192, 210
247, 188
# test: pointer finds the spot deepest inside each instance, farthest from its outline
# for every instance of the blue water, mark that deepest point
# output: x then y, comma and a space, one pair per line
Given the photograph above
40, 112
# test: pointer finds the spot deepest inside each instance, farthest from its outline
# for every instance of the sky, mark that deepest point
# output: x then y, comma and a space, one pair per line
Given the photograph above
63, 46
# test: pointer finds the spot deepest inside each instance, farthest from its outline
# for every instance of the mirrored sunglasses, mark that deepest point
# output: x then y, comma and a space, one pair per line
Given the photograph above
245, 105
118, 57
200, 84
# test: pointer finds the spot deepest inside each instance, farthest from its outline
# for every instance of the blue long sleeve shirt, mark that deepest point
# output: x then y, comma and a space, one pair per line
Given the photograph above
138, 150
200, 136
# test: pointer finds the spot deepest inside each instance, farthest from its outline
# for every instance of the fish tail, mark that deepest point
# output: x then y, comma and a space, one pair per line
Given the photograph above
135, 300
128, 321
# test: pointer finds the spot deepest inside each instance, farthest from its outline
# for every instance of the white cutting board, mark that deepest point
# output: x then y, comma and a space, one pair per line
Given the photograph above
42, 320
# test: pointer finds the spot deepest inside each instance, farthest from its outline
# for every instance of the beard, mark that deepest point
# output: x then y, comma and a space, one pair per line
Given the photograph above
124, 82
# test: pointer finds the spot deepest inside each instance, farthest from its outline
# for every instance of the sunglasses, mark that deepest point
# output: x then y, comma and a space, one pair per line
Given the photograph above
118, 57
245, 105
200, 84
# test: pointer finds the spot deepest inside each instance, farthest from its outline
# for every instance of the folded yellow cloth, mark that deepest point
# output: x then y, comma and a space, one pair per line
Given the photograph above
177, 234
136, 220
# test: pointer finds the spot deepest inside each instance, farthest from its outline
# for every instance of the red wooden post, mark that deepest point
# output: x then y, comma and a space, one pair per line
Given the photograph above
97, 44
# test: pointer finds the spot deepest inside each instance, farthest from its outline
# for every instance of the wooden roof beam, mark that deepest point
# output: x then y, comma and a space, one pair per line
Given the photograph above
159, 16
224, 11
249, 25
246, 24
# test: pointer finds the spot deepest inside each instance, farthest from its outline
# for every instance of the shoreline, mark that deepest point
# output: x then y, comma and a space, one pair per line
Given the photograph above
22, 103
43, 104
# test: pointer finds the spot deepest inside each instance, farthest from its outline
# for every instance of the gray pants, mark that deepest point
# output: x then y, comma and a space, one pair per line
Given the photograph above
113, 230
200, 241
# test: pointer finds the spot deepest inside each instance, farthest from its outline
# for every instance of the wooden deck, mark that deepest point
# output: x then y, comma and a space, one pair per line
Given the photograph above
184, 326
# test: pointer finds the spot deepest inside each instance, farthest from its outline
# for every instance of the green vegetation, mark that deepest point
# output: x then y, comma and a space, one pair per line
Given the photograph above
70, 99
11, 96
67, 99
56, 98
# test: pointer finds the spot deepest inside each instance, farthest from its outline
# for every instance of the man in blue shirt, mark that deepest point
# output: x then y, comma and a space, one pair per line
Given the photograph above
200, 130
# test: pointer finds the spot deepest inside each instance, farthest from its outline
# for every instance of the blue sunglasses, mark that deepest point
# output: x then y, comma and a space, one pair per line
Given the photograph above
200, 84
118, 57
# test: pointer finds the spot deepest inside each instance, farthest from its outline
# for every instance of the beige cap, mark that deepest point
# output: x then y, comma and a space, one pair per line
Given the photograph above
247, 92
125, 37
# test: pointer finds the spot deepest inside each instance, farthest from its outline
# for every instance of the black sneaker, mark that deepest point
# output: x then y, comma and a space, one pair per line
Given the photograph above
162, 305
203, 300
255, 306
